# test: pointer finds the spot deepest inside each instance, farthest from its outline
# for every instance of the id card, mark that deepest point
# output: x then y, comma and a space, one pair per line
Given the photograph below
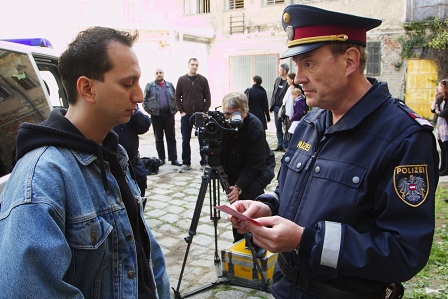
227, 209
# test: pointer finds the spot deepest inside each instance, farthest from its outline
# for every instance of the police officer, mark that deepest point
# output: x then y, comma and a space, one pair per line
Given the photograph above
353, 213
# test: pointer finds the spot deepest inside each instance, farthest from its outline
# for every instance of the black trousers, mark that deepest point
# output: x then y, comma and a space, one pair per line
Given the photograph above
160, 124
443, 156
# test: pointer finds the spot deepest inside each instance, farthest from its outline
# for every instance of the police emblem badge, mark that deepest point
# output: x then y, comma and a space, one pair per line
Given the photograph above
411, 183
290, 33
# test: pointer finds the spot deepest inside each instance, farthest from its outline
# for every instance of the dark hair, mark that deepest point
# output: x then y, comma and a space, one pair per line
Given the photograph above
445, 87
257, 79
337, 48
292, 76
285, 67
87, 56
194, 59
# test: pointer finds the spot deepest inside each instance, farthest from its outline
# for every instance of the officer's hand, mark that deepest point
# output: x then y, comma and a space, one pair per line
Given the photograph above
250, 208
233, 195
282, 235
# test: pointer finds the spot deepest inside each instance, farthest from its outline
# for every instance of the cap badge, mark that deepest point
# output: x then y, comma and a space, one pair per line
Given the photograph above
290, 32
286, 17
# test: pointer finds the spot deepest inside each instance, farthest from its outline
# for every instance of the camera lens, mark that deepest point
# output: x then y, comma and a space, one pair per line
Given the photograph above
212, 128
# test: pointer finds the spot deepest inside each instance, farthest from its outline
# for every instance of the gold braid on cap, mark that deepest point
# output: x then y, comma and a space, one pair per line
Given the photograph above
318, 39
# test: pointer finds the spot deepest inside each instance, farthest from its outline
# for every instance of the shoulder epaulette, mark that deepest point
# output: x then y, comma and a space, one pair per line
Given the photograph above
421, 120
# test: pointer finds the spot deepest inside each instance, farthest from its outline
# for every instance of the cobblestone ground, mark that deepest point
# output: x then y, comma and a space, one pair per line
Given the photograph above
172, 200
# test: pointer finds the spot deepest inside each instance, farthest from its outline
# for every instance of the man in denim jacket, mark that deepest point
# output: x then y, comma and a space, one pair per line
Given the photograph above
71, 219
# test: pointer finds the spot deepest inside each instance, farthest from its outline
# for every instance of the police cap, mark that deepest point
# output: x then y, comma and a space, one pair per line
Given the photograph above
309, 27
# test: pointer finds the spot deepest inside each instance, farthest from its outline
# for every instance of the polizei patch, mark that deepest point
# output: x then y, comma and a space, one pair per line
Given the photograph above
411, 183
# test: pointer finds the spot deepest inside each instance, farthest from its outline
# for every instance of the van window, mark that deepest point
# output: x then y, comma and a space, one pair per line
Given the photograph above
22, 99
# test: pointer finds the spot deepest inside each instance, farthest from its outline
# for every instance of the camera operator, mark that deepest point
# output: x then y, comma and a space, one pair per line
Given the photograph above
246, 157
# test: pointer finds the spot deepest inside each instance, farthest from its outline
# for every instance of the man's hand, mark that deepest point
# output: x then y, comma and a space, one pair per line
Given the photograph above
233, 195
282, 235
250, 208
182, 114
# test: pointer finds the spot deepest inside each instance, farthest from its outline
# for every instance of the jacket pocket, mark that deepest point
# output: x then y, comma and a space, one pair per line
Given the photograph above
90, 267
88, 234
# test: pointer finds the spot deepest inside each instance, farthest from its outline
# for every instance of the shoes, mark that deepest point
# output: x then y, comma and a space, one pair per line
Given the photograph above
443, 173
203, 166
176, 163
446, 200
184, 168
162, 162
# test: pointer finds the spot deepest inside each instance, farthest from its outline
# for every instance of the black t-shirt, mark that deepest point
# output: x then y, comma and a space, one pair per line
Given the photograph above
278, 98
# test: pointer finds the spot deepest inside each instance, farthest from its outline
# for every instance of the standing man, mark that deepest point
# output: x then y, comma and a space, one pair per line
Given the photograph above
353, 213
280, 87
192, 95
160, 103
71, 197
258, 101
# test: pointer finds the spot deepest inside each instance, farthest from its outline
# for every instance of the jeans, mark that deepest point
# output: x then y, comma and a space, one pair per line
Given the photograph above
279, 129
185, 129
160, 123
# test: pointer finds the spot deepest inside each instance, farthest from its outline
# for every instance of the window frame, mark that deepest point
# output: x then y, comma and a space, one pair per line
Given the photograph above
196, 7
234, 4
273, 2
373, 66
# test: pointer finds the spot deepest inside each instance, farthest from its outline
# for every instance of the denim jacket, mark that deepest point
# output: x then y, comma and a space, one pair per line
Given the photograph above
151, 104
72, 240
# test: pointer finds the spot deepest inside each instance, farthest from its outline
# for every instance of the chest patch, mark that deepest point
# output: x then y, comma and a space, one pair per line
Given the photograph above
411, 183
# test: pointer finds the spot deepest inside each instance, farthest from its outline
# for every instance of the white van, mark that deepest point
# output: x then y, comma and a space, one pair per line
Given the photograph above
30, 87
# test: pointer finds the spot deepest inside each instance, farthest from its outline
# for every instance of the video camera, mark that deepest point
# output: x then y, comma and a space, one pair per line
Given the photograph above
210, 128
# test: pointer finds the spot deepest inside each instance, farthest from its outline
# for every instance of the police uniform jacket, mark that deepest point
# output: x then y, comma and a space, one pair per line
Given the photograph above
364, 190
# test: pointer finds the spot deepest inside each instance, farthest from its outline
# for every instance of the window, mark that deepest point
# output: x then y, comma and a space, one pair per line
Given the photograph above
273, 2
243, 68
234, 4
24, 81
421, 10
373, 59
4, 93
194, 7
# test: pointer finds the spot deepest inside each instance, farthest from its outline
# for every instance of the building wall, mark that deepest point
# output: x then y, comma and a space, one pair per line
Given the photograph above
177, 37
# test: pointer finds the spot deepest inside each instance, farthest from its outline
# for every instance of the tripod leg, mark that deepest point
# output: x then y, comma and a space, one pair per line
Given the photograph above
223, 178
194, 224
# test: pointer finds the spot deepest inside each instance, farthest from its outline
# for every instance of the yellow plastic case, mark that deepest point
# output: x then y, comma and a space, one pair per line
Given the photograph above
237, 262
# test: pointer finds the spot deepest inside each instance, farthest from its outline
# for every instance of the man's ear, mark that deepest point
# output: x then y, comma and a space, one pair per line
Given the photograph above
352, 60
85, 88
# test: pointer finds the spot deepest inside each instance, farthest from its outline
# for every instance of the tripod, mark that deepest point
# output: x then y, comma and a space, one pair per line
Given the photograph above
211, 176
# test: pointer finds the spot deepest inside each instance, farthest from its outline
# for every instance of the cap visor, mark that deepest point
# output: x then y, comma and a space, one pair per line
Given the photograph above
300, 49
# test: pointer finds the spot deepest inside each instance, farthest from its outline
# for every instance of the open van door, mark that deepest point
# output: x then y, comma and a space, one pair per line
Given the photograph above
30, 87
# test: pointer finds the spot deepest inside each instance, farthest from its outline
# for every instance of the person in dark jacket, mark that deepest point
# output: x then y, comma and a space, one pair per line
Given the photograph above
353, 213
258, 101
246, 157
192, 95
278, 93
160, 103
128, 137
440, 108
